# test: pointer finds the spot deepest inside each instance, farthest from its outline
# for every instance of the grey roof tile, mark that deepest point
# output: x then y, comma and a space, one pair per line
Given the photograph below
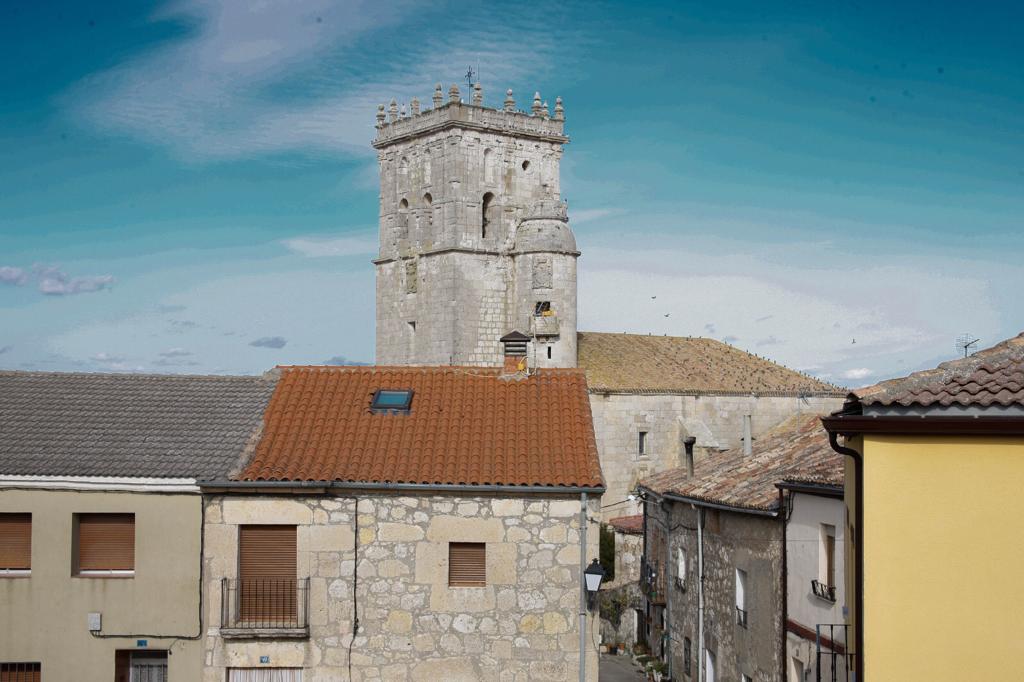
131, 425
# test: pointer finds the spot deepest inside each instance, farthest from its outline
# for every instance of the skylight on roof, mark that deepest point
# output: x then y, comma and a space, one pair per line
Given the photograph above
392, 400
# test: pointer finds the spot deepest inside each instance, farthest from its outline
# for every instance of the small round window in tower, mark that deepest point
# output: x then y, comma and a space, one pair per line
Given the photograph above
526, 166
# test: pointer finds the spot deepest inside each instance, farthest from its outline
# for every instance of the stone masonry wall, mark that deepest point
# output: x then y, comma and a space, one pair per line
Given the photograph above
412, 626
715, 421
731, 540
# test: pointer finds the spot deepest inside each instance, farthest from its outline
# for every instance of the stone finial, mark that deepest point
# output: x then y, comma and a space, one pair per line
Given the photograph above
380, 115
438, 96
415, 106
478, 95
393, 111
453, 94
536, 104
559, 110
544, 110
510, 103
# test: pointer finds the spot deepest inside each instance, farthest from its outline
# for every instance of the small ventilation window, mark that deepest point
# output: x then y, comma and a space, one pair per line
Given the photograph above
526, 165
542, 309
387, 400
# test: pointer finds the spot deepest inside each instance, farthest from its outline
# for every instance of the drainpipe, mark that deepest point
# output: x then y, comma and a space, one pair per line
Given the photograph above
748, 445
583, 587
784, 518
700, 594
858, 584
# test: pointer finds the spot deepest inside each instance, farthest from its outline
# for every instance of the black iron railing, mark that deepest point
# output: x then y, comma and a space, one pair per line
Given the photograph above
741, 617
835, 662
823, 591
264, 603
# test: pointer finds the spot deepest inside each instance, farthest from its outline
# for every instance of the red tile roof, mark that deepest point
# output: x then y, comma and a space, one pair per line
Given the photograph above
795, 450
466, 426
994, 376
634, 525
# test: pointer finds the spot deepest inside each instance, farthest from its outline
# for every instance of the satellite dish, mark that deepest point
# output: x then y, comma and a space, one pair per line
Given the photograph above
965, 343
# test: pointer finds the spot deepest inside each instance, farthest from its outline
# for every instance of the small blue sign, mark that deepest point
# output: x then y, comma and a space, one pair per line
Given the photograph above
142, 643
264, 659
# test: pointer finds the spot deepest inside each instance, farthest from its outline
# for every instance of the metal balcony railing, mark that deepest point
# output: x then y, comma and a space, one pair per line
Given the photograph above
835, 662
264, 604
741, 617
823, 591
652, 581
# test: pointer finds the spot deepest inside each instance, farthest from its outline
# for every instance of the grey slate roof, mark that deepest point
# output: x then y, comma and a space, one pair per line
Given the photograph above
131, 425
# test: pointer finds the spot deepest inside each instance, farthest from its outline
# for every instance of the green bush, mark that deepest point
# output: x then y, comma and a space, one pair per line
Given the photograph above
607, 553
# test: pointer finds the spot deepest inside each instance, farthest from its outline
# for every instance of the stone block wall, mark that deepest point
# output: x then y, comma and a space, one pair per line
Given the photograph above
524, 625
715, 420
731, 540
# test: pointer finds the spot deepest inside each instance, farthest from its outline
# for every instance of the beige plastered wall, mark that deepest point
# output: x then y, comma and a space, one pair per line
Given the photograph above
43, 618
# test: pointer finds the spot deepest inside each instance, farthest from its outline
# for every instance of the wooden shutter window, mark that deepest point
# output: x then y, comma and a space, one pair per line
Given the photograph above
106, 542
467, 564
267, 552
267, 570
20, 672
15, 542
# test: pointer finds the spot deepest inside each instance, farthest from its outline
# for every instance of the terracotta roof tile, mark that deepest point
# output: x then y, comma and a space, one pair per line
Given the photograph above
795, 450
675, 364
633, 525
466, 425
994, 376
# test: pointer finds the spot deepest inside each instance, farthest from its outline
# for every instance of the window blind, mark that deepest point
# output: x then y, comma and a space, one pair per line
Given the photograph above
267, 570
20, 672
15, 541
106, 542
467, 564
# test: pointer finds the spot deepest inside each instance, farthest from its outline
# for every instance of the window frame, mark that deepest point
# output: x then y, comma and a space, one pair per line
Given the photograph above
78, 571
387, 409
28, 671
19, 572
742, 584
827, 556
642, 445
452, 583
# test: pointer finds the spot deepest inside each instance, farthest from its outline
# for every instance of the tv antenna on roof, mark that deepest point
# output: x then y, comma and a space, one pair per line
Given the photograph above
964, 342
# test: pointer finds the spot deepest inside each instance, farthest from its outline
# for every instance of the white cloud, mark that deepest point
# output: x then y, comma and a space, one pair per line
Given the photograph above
12, 275
225, 88
56, 283
175, 353
857, 373
269, 342
361, 244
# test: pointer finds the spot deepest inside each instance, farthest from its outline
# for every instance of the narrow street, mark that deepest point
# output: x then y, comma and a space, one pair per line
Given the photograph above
618, 669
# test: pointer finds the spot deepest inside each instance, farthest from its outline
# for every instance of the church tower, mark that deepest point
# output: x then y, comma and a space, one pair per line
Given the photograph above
474, 237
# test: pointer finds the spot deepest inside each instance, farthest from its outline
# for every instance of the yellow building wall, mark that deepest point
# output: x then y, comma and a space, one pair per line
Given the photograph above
44, 617
944, 551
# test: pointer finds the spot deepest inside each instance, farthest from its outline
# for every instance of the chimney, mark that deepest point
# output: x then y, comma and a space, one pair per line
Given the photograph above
514, 344
748, 445
688, 444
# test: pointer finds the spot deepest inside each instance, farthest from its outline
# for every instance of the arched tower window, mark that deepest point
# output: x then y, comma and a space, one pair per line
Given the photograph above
403, 218
488, 214
428, 205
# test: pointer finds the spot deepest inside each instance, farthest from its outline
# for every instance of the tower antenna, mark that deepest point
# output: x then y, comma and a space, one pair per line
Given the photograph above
470, 74
964, 342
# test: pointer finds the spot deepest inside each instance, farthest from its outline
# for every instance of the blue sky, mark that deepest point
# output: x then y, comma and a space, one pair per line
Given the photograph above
189, 187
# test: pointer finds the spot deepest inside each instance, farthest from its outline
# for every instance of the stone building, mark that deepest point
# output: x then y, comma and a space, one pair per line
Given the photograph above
716, 544
474, 237
427, 523
101, 518
475, 243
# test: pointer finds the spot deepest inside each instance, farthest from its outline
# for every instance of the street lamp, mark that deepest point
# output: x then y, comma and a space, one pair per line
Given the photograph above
593, 577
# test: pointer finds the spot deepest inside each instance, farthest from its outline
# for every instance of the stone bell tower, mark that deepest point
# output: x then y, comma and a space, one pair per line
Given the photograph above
474, 237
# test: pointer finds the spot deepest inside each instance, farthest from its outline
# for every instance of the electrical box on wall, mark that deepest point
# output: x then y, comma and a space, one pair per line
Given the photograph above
95, 622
